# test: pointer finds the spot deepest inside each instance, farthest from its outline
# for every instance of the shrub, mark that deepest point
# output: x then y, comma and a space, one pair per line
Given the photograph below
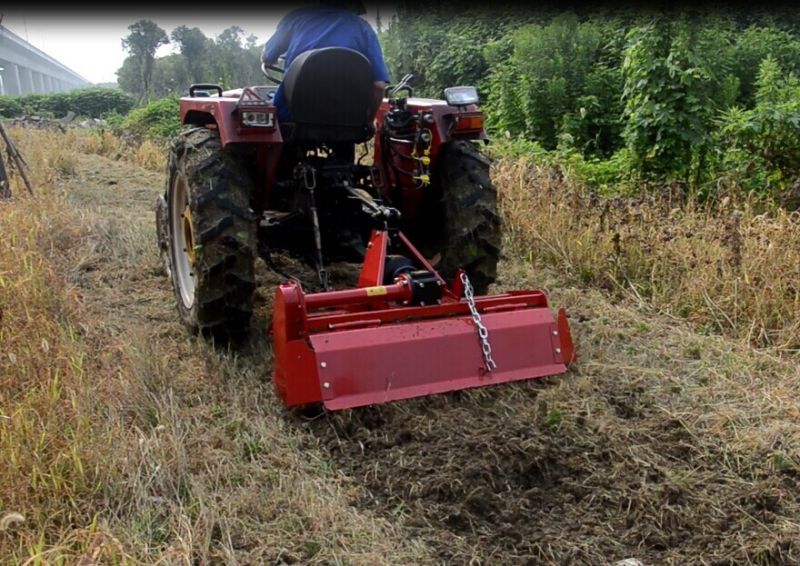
159, 118
443, 45
587, 84
558, 62
675, 80
612, 176
762, 145
752, 47
93, 102
10, 107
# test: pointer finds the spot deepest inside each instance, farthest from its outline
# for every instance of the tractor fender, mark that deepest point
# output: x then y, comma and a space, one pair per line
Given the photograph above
222, 114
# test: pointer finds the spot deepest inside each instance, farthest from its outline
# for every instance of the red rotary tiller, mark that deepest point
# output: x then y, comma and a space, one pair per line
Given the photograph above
415, 337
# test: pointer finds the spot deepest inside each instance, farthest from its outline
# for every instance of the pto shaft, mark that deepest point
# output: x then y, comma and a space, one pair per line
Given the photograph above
400, 292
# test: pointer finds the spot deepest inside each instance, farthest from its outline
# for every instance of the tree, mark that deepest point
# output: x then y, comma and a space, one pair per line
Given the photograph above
169, 76
251, 42
193, 45
142, 43
232, 64
128, 78
232, 58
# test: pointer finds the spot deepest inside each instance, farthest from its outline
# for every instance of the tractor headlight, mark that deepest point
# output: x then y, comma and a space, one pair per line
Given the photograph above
258, 119
461, 95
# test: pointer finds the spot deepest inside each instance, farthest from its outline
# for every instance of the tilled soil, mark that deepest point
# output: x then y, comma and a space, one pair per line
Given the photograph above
500, 476
660, 444
635, 453
498, 484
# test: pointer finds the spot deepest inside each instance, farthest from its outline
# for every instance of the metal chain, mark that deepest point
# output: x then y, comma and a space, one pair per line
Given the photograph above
483, 333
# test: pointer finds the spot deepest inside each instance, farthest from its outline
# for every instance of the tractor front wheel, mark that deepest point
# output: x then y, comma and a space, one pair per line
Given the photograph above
207, 235
468, 226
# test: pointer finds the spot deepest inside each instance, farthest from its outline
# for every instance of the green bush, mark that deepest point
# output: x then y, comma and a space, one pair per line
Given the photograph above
92, 102
114, 119
760, 147
567, 80
612, 176
752, 47
49, 105
676, 79
519, 147
443, 45
159, 118
609, 176
10, 107
96, 101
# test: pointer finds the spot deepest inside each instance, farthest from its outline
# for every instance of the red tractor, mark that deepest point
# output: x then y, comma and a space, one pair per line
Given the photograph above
241, 185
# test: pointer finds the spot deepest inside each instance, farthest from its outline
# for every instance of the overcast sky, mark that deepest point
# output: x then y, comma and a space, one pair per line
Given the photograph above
91, 43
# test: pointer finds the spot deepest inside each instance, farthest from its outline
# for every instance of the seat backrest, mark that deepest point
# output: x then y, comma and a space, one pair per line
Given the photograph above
330, 95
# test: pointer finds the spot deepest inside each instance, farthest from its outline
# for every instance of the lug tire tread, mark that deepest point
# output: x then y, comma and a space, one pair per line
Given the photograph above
225, 231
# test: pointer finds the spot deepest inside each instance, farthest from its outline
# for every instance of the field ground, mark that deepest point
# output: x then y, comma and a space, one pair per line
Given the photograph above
661, 444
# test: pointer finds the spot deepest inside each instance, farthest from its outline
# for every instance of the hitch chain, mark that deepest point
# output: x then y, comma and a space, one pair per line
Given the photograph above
483, 333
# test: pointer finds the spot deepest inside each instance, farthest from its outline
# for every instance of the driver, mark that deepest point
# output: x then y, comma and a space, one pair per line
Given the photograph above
334, 23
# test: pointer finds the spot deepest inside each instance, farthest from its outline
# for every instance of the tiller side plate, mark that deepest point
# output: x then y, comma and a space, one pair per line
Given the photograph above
380, 343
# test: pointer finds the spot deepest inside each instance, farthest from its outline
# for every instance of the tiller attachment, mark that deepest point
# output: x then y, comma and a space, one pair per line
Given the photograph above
409, 338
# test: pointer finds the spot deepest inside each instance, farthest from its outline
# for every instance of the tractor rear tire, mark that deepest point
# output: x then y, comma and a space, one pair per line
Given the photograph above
469, 230
207, 235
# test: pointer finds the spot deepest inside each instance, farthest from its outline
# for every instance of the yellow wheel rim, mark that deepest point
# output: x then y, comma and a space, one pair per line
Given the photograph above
188, 235
183, 241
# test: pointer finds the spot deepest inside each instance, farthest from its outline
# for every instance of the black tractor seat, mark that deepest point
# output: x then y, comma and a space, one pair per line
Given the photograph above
330, 97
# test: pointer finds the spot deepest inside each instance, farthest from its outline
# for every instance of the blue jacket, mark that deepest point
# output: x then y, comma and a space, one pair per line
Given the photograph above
314, 28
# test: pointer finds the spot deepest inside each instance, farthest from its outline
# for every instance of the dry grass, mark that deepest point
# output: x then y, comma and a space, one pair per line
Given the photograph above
51, 447
122, 438
129, 441
726, 268
144, 153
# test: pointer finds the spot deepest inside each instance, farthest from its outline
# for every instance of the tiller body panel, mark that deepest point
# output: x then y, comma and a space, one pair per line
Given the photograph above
372, 344
375, 365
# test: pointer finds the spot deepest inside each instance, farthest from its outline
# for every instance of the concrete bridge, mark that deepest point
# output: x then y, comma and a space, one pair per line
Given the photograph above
25, 69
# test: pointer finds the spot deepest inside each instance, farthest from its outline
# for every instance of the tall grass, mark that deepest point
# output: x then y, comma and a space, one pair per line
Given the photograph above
145, 153
726, 267
53, 457
54, 152
122, 439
